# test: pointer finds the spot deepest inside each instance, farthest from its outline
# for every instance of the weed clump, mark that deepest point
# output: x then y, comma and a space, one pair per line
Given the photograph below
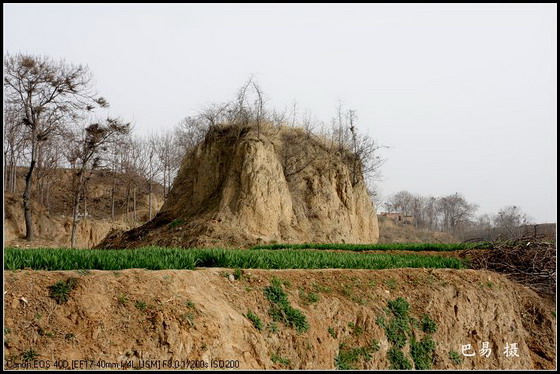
60, 291
455, 357
255, 320
400, 328
281, 310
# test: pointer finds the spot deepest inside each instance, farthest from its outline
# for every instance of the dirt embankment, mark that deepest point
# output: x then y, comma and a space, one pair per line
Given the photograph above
245, 186
138, 316
52, 219
53, 230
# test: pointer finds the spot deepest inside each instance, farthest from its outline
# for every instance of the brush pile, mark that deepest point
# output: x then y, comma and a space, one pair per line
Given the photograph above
530, 261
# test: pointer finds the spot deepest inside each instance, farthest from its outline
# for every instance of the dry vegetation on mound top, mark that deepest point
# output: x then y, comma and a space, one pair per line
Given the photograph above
225, 314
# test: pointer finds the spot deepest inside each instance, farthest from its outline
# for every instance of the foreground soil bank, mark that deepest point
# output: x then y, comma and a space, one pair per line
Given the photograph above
144, 317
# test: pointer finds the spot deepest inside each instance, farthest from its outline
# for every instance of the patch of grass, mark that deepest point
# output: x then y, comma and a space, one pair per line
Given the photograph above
157, 258
122, 299
141, 305
455, 357
83, 271
281, 310
255, 320
69, 336
391, 283
189, 317
279, 360
38, 316
422, 352
308, 297
372, 283
7, 331
356, 330
176, 222
190, 304
398, 360
60, 291
273, 327
397, 331
399, 307
375, 345
332, 332
349, 356
400, 328
428, 324
320, 288
238, 273
29, 355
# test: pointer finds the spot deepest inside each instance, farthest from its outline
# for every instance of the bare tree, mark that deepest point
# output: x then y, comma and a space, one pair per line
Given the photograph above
512, 219
86, 155
48, 95
456, 212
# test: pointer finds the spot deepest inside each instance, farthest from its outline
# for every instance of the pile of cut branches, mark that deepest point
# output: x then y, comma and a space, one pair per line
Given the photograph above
530, 261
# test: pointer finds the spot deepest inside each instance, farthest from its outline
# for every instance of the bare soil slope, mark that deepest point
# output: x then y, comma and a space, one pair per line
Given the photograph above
137, 315
393, 232
244, 186
52, 230
52, 219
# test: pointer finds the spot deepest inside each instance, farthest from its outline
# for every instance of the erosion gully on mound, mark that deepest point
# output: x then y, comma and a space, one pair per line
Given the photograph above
140, 316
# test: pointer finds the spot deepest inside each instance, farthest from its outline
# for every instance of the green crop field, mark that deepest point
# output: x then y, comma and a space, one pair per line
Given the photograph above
381, 247
157, 258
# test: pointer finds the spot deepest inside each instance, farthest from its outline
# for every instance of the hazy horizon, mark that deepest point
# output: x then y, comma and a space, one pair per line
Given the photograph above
463, 94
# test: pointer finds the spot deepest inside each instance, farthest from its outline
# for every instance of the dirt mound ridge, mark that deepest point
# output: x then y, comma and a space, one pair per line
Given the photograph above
248, 185
137, 315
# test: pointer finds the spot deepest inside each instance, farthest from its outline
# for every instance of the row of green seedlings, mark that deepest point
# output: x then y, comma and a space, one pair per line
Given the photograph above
442, 247
157, 258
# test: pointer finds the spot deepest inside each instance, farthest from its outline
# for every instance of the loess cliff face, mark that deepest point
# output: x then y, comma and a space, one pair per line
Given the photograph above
243, 186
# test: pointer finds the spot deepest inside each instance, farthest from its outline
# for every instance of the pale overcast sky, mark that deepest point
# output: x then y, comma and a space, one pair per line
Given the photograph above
465, 95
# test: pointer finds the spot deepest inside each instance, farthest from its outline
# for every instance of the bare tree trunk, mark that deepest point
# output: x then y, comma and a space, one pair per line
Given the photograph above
85, 204
164, 182
14, 177
150, 199
48, 200
75, 212
134, 204
6, 172
27, 191
113, 202
128, 204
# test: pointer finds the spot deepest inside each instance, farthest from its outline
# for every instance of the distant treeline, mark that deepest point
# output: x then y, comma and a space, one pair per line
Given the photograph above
454, 214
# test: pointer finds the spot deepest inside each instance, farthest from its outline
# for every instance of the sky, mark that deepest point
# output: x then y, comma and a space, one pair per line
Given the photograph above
463, 95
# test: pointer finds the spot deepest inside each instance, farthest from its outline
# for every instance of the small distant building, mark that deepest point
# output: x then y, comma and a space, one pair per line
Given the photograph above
399, 218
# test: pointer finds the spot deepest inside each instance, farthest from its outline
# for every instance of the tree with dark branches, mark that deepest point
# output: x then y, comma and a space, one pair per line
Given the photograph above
48, 94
